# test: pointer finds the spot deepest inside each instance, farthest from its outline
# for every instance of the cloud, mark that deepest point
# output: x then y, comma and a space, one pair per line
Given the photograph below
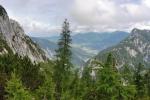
45, 17
106, 15
38, 28
38, 16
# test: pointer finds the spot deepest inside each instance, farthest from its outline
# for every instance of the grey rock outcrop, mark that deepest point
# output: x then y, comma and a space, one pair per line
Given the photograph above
14, 36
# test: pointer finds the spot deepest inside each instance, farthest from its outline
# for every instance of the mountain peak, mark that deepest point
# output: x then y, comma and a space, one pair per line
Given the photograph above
135, 48
138, 31
135, 30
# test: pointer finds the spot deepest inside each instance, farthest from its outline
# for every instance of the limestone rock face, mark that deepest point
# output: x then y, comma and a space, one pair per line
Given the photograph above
16, 39
132, 50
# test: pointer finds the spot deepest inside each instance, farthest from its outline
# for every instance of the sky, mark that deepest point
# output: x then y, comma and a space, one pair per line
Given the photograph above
45, 17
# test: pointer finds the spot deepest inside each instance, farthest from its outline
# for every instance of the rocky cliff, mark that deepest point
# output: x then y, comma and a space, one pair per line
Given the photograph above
132, 50
13, 39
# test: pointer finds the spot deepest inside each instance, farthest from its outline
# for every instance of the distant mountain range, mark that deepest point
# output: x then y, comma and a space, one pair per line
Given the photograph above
132, 50
84, 45
79, 56
96, 40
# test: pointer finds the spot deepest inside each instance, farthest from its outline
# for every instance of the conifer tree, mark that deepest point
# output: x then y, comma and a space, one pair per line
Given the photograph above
147, 82
127, 75
139, 81
63, 61
110, 85
30, 73
46, 90
88, 84
15, 90
75, 89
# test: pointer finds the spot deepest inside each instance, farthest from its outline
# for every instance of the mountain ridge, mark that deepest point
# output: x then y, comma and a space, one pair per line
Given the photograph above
82, 49
132, 50
14, 36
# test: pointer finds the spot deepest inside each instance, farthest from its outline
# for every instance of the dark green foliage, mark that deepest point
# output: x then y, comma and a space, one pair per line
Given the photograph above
63, 62
127, 74
75, 86
28, 71
46, 89
6, 67
15, 89
147, 82
7, 64
110, 85
139, 81
87, 84
30, 74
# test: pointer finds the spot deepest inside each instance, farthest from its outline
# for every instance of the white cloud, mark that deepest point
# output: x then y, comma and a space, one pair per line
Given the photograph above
38, 16
146, 2
37, 28
106, 15
45, 17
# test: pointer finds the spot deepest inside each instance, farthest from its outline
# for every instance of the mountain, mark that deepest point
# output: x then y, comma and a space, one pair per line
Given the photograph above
47, 46
84, 45
132, 50
79, 56
14, 40
96, 40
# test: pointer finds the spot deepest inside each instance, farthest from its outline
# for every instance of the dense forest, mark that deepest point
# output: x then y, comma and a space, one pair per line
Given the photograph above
21, 79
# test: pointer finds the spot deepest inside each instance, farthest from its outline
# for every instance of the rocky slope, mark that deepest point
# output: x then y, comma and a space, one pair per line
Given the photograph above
14, 39
134, 49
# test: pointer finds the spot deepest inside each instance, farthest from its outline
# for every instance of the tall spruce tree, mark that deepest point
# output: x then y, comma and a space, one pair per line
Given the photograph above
110, 85
15, 89
63, 61
127, 75
147, 82
139, 81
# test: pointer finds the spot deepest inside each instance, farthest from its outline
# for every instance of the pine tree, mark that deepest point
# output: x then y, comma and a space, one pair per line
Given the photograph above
127, 75
30, 74
139, 81
88, 85
15, 90
75, 90
63, 62
110, 85
46, 90
147, 82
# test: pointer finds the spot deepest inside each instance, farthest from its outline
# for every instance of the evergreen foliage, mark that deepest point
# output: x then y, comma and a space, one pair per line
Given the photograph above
46, 90
139, 81
30, 74
110, 85
15, 89
147, 82
63, 62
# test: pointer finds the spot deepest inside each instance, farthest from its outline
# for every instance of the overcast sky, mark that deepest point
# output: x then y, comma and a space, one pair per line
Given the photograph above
45, 17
